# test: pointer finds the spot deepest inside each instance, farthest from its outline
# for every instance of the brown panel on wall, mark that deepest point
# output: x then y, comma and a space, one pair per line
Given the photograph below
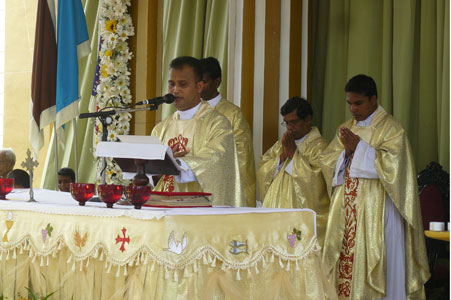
143, 64
295, 48
152, 53
132, 44
310, 47
247, 63
271, 76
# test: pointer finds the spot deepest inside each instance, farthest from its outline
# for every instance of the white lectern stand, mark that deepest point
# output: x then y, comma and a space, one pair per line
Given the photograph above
141, 155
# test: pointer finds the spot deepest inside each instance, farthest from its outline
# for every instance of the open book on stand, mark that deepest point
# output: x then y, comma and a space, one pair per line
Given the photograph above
159, 158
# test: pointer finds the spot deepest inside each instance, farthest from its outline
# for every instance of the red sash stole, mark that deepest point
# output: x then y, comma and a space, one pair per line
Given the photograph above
346, 259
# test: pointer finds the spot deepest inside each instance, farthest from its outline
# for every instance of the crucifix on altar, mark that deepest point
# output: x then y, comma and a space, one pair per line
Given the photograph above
29, 164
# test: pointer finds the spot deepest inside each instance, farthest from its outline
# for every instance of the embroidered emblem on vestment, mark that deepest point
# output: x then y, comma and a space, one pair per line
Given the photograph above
177, 144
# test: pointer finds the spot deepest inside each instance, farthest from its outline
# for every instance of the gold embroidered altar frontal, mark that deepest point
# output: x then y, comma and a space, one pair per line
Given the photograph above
222, 256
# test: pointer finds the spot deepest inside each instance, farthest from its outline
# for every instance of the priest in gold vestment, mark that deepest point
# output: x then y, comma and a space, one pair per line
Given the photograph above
374, 246
212, 77
289, 174
201, 139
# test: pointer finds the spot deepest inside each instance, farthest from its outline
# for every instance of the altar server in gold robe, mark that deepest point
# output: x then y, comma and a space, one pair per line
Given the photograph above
212, 77
374, 246
289, 174
201, 138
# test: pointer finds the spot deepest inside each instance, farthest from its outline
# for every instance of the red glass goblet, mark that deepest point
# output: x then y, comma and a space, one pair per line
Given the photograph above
6, 186
138, 194
110, 193
82, 192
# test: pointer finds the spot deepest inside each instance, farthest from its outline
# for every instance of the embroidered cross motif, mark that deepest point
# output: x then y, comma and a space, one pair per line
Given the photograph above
123, 239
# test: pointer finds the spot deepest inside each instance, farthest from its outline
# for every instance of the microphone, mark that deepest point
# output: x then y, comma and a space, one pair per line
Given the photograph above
104, 113
168, 98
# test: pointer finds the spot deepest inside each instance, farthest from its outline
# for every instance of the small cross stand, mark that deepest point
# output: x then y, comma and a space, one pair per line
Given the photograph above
29, 163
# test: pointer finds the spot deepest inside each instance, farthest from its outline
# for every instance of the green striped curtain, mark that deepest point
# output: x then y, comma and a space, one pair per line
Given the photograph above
197, 28
404, 46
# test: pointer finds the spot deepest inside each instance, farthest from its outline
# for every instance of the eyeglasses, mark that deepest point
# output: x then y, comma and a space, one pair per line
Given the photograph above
289, 123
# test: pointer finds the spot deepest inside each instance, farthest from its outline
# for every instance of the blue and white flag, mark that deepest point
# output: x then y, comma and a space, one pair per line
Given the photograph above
73, 44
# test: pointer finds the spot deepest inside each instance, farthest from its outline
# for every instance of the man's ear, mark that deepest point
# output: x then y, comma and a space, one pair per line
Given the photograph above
218, 81
373, 99
200, 86
309, 119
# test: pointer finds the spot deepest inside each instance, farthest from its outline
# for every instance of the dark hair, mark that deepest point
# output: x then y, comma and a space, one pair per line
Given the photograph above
180, 62
68, 172
362, 84
211, 66
21, 177
302, 107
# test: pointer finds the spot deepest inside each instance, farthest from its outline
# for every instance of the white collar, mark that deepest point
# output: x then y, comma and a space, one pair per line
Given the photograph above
301, 139
367, 121
213, 102
188, 114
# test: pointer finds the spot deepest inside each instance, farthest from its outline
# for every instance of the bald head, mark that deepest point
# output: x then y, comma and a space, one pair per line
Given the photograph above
7, 161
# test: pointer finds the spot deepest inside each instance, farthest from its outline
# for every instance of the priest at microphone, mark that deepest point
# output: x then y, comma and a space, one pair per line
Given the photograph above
201, 138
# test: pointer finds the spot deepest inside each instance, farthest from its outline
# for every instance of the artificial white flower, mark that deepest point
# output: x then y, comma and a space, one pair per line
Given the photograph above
115, 27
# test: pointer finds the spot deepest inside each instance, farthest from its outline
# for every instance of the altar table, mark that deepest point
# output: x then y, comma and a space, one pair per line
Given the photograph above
93, 252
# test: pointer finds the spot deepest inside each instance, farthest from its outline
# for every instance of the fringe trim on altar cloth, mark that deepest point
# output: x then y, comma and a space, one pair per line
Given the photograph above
223, 279
206, 255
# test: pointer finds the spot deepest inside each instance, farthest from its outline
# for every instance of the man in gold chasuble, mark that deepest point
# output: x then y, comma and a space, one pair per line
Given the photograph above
289, 174
212, 77
201, 138
374, 246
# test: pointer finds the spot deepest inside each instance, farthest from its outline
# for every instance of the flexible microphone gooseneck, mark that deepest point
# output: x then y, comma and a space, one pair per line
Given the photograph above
168, 98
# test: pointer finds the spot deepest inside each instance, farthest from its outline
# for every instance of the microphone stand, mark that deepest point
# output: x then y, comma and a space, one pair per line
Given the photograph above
106, 119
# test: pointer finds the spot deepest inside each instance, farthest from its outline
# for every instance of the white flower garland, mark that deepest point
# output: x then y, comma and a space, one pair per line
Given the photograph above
115, 27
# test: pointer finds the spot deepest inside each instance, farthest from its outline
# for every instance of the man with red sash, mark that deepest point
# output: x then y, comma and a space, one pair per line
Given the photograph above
374, 246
